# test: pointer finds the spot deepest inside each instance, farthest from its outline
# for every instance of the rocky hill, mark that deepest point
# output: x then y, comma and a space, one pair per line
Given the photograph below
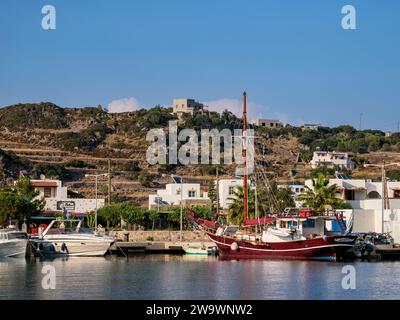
68, 143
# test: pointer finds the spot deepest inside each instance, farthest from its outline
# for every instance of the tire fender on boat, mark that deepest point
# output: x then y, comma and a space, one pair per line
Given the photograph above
234, 246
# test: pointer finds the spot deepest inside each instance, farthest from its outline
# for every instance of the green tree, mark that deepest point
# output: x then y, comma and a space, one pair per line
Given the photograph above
19, 201
202, 212
132, 214
212, 194
153, 216
235, 214
321, 196
111, 214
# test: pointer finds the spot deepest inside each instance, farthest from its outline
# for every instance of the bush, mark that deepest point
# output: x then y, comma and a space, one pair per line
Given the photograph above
76, 164
52, 171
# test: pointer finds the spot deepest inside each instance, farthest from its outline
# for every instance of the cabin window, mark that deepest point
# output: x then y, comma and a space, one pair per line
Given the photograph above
292, 224
231, 191
47, 192
396, 194
309, 224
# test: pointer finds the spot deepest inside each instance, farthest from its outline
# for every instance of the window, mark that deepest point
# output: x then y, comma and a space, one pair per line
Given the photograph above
231, 190
349, 194
192, 194
47, 192
309, 224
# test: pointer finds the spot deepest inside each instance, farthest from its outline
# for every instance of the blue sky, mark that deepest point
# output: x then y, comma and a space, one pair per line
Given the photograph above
293, 57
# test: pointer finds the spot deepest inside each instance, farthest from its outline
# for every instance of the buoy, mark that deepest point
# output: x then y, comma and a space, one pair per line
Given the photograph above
234, 246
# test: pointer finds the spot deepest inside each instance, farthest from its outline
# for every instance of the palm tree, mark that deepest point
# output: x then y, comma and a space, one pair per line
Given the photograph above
321, 196
236, 209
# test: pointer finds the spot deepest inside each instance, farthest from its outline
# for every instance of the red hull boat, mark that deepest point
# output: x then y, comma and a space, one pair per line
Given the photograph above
330, 248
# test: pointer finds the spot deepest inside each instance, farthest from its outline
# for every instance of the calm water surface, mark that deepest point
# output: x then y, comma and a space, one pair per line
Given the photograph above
186, 277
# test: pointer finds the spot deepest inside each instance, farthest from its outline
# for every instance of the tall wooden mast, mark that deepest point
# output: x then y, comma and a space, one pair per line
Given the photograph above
245, 208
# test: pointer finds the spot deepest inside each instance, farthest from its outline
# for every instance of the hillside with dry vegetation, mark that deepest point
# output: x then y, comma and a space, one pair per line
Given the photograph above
68, 143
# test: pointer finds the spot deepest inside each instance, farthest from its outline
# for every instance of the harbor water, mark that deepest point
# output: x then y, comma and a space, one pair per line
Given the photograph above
195, 277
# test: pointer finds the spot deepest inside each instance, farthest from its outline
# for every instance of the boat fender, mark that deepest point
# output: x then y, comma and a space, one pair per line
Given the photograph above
234, 246
325, 238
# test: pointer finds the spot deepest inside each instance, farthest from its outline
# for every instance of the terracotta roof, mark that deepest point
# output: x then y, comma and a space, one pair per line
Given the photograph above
44, 184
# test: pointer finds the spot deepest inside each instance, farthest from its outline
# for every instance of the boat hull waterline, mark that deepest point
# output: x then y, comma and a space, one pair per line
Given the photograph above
72, 247
328, 248
11, 249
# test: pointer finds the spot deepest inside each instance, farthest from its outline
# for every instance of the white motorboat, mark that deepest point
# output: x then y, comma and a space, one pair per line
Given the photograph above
12, 242
62, 238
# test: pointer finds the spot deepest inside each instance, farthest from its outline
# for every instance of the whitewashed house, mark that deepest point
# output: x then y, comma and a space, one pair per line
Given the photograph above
331, 160
226, 191
365, 197
171, 195
56, 198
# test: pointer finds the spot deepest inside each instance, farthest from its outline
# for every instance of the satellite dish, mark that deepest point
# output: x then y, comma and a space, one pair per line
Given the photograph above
42, 177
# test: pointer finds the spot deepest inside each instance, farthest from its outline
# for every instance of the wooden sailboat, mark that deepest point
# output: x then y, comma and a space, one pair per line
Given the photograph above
279, 236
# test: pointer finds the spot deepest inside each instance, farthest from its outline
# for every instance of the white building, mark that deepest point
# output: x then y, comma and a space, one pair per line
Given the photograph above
331, 159
296, 189
190, 106
171, 195
226, 191
365, 197
267, 123
311, 126
56, 198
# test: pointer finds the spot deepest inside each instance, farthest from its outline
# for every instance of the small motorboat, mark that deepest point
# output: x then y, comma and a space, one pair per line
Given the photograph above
200, 250
12, 242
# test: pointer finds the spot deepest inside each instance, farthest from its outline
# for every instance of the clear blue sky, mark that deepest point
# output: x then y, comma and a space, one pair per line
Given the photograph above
292, 57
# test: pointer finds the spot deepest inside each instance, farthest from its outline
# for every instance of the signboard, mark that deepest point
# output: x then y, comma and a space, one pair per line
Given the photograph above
68, 205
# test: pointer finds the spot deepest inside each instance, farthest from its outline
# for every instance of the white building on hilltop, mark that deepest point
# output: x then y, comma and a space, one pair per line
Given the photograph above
365, 197
267, 123
56, 198
190, 106
331, 159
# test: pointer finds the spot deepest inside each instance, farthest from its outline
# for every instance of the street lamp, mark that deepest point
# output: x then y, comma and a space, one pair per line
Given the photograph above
179, 179
96, 183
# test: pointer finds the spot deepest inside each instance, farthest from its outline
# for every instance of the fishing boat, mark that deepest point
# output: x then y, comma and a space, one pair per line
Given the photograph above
13, 243
62, 237
303, 235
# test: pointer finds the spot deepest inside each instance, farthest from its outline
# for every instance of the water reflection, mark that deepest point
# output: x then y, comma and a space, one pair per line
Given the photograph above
193, 277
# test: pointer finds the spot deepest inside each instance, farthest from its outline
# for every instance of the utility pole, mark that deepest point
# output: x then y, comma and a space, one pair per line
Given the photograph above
181, 215
109, 181
96, 176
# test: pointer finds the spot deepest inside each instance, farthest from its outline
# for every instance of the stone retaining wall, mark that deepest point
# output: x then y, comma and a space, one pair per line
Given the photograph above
172, 236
